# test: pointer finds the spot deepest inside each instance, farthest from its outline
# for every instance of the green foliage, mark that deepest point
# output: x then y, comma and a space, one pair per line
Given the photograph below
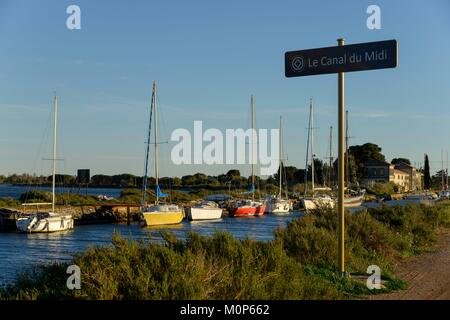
382, 189
362, 153
8, 203
36, 196
401, 160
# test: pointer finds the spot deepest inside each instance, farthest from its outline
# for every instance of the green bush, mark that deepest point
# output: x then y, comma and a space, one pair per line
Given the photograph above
382, 189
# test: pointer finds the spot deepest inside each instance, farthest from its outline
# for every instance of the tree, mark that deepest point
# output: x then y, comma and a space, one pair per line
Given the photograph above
188, 180
318, 172
401, 160
426, 174
361, 154
234, 173
289, 174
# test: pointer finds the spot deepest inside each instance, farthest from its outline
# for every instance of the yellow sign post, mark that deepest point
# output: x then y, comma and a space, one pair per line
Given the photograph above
341, 178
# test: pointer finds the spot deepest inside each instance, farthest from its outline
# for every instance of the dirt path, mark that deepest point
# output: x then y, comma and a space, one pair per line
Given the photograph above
428, 274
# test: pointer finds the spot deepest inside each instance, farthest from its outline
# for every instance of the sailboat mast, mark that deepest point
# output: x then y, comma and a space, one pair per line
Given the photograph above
156, 142
305, 178
331, 158
312, 148
347, 176
144, 191
280, 157
442, 168
253, 129
54, 152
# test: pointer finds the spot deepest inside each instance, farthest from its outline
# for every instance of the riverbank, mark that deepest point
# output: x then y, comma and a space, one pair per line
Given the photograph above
299, 263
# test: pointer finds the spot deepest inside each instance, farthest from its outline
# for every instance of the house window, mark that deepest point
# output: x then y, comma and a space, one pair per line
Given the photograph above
381, 172
374, 172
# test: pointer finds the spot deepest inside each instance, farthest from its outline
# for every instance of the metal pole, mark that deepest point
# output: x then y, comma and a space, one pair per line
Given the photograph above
341, 109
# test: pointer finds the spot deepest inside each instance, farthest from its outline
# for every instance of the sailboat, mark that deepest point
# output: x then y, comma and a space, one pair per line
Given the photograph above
352, 198
158, 213
313, 201
42, 221
204, 210
249, 207
277, 204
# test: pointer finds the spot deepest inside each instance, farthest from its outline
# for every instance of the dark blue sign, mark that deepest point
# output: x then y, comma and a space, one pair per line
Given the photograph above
347, 58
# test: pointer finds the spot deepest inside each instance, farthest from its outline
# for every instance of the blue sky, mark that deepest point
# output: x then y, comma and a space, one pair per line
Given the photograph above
208, 57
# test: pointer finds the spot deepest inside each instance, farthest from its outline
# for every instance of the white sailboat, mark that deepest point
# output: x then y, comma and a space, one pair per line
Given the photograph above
42, 221
277, 204
315, 200
159, 213
204, 210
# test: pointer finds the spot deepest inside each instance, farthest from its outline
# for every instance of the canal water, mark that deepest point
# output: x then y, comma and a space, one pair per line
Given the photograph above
14, 192
19, 251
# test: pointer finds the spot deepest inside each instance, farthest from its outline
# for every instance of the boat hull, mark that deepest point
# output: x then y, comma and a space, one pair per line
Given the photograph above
33, 224
162, 218
316, 203
243, 211
204, 213
260, 210
353, 202
278, 207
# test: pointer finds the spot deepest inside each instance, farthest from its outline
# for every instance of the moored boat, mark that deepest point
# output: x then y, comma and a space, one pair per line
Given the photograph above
45, 222
248, 207
205, 210
50, 221
157, 214
162, 214
354, 199
278, 205
317, 202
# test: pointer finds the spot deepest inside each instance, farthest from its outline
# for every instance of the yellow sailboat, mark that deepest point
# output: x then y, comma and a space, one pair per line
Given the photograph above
157, 214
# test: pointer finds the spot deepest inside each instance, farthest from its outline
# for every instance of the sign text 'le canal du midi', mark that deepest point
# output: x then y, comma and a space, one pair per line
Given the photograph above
355, 57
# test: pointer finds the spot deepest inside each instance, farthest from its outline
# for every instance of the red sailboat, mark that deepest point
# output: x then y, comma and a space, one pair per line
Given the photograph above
248, 207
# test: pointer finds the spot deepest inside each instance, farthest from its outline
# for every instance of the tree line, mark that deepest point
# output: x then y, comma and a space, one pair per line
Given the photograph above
324, 175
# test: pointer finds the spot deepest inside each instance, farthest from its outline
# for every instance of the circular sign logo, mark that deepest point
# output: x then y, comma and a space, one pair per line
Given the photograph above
298, 64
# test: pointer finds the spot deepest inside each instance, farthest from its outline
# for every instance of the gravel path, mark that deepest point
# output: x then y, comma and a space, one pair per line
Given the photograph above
428, 274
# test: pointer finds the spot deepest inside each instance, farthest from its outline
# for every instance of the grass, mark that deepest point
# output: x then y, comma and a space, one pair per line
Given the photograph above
298, 264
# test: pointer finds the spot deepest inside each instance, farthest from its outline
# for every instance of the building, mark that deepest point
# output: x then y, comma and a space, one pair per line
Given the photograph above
377, 171
405, 176
414, 176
